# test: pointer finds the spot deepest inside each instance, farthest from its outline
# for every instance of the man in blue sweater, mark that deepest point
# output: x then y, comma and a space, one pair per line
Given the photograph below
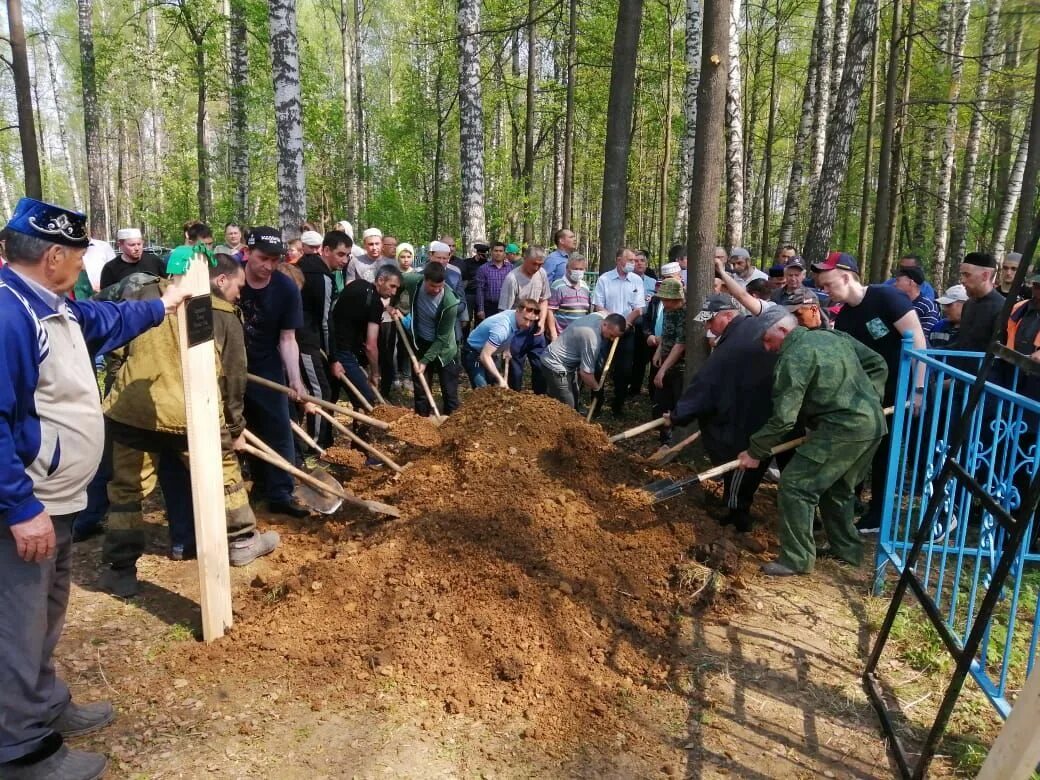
51, 438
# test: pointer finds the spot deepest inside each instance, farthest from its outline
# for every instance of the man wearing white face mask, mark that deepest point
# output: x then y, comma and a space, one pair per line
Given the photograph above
570, 298
621, 292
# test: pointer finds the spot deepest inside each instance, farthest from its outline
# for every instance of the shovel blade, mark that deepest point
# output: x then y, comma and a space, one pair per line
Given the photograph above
321, 503
659, 485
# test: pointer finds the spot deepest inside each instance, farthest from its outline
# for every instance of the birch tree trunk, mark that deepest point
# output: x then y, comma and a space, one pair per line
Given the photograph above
793, 201
774, 98
692, 59
824, 99
734, 136
5, 192
868, 155
839, 132
710, 163
1009, 201
349, 117
1027, 203
841, 41
63, 133
202, 130
285, 60
959, 228
960, 13
96, 202
529, 122
886, 161
666, 154
155, 113
360, 183
471, 124
239, 64
619, 124
23, 100
568, 127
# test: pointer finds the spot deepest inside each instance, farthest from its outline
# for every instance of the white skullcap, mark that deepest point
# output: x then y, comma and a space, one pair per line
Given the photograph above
376, 232
346, 227
439, 246
311, 238
126, 234
405, 247
670, 269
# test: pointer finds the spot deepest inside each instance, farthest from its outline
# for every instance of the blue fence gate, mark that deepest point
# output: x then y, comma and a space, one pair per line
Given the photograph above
967, 535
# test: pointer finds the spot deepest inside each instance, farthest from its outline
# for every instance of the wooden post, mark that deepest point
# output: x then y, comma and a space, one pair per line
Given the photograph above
1016, 752
201, 399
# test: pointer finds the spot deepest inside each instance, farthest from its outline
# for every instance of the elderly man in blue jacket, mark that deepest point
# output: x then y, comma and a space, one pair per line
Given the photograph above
51, 437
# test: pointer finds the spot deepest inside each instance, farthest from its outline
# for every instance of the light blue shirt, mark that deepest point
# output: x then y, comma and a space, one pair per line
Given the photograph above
556, 265
650, 284
497, 330
619, 293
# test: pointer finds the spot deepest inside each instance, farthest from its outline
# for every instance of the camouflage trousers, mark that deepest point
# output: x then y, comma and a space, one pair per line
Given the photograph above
823, 473
135, 453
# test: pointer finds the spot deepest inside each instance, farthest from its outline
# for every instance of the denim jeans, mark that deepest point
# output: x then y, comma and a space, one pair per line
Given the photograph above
527, 347
474, 368
267, 415
356, 374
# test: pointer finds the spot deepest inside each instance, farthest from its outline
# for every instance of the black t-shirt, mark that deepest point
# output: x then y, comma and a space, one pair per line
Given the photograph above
873, 322
358, 306
117, 269
978, 319
266, 312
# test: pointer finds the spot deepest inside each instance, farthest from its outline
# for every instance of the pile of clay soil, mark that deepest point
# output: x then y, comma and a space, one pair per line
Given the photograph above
528, 583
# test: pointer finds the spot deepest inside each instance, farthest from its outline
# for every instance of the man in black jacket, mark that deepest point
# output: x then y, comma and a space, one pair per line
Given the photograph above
317, 336
730, 397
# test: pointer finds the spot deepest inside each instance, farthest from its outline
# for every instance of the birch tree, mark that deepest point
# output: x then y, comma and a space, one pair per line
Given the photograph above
823, 103
1011, 194
692, 60
1027, 203
734, 136
96, 200
285, 60
239, 67
63, 132
886, 158
471, 124
840, 129
955, 67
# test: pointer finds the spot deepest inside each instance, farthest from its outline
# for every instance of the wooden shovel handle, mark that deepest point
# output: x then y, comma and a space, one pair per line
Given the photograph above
356, 393
359, 441
415, 368
259, 380
306, 437
602, 380
279, 462
662, 454
647, 426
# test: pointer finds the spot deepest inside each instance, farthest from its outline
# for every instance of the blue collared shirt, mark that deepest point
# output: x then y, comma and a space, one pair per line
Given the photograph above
556, 265
619, 293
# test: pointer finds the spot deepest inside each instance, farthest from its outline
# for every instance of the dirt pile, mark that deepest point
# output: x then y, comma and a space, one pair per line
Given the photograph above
527, 581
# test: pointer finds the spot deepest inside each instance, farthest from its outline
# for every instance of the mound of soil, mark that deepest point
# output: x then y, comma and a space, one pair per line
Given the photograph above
344, 456
528, 581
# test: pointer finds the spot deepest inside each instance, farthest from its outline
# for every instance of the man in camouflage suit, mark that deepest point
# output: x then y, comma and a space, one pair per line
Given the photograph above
833, 384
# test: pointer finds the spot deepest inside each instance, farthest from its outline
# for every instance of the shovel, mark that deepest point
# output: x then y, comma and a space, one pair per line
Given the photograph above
332, 488
648, 426
259, 380
437, 417
665, 454
323, 501
602, 380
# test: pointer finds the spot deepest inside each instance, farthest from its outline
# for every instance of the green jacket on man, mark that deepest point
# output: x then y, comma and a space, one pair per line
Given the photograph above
445, 347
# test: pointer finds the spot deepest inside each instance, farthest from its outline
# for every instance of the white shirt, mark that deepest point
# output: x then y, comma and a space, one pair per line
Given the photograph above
619, 293
94, 259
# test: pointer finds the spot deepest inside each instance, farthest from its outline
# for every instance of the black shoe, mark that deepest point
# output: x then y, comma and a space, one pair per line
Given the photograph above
868, 524
64, 764
82, 534
78, 720
828, 553
290, 508
120, 582
741, 520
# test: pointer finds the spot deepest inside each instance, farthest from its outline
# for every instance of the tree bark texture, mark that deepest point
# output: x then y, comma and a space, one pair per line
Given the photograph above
886, 161
23, 100
360, 183
285, 60
63, 132
734, 137
471, 125
1011, 192
98, 213
796, 183
619, 125
349, 119
824, 98
529, 123
692, 59
774, 98
841, 41
155, 119
663, 200
1027, 203
868, 155
202, 130
239, 65
959, 14
709, 163
568, 127
965, 197
840, 129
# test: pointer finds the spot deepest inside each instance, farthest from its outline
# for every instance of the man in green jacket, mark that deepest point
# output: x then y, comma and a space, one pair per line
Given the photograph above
431, 325
145, 417
832, 384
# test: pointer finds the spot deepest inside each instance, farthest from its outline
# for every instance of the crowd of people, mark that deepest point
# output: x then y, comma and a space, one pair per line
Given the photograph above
795, 351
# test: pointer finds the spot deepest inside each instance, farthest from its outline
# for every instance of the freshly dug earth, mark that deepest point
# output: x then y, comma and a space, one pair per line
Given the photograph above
408, 427
528, 583
344, 456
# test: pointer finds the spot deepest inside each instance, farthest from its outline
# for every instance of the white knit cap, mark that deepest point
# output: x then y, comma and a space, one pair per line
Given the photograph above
346, 227
311, 238
126, 234
405, 247
439, 246
370, 233
670, 269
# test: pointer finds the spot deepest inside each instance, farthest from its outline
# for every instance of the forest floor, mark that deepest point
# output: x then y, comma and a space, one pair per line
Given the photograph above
541, 620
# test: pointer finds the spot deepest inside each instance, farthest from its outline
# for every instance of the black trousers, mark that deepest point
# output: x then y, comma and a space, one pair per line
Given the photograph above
663, 399
641, 356
314, 370
740, 486
448, 375
621, 369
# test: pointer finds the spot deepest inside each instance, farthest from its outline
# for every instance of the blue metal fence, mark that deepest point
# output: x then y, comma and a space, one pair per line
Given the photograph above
966, 542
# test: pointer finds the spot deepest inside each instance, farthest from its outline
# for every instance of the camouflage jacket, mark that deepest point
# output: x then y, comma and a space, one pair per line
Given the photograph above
829, 382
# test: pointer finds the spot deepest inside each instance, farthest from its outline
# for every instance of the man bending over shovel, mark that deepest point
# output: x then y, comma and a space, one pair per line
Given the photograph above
833, 384
146, 418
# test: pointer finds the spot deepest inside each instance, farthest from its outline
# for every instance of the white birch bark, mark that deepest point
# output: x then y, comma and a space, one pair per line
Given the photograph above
471, 124
824, 101
285, 60
841, 42
239, 70
155, 119
693, 77
955, 64
959, 228
63, 132
734, 136
1009, 203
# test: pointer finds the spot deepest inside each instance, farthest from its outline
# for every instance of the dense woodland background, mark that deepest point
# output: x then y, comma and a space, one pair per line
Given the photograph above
875, 127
